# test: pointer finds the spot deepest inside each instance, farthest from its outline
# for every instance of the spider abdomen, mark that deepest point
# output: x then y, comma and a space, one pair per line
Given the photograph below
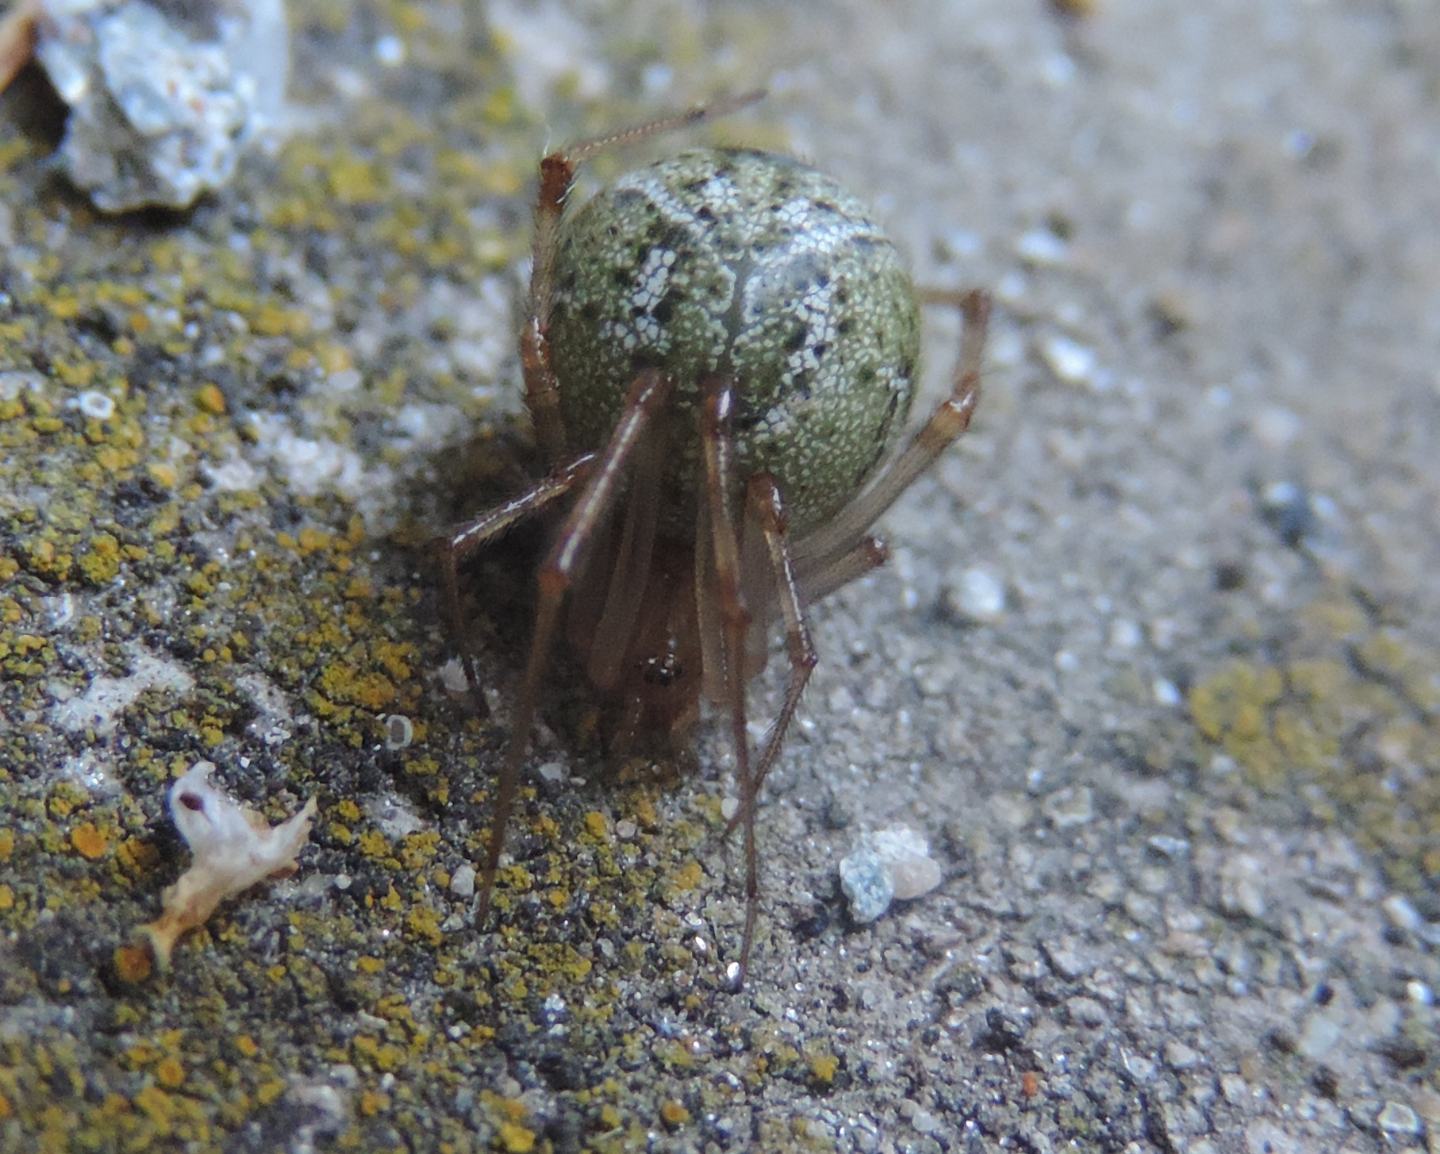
758, 268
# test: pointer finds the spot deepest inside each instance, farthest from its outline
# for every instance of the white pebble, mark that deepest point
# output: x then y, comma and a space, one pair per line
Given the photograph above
1125, 634
978, 595
1402, 913
905, 855
1069, 360
1040, 246
1166, 692
399, 730
462, 881
390, 51
96, 406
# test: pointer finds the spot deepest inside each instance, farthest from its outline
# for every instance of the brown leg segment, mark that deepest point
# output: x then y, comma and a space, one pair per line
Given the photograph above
718, 453
466, 538
948, 422
557, 176
562, 565
765, 508
819, 580
17, 39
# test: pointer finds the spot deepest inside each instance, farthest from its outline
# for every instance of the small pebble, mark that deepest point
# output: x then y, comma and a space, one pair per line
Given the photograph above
1319, 1036
885, 865
905, 853
96, 406
1070, 361
866, 883
390, 51
1166, 692
1040, 246
1402, 913
462, 881
399, 731
1398, 1118
1071, 806
978, 596
1179, 1056
552, 771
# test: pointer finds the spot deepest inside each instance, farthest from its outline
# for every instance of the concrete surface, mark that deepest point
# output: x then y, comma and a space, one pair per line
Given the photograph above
1182, 782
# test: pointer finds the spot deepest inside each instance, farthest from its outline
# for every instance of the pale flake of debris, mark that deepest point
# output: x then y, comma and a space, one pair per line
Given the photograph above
162, 102
234, 848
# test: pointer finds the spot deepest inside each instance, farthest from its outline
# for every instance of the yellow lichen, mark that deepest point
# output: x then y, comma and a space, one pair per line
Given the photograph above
89, 841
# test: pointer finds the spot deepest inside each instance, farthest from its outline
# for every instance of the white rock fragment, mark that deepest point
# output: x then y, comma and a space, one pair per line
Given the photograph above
1070, 361
234, 848
462, 881
884, 865
1040, 246
978, 596
162, 101
905, 854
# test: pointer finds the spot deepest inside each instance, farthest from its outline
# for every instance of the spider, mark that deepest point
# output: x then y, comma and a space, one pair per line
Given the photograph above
718, 354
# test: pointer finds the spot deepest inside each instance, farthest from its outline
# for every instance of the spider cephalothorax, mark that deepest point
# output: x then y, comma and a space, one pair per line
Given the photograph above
720, 350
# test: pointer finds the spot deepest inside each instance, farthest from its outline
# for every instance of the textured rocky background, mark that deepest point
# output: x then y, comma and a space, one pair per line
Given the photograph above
1182, 779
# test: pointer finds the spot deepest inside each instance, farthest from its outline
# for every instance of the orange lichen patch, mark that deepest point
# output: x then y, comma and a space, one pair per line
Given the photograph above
7, 844
234, 847
88, 841
674, 1113
7, 898
132, 963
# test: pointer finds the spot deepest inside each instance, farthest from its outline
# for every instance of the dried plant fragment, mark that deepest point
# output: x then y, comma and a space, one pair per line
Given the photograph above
234, 847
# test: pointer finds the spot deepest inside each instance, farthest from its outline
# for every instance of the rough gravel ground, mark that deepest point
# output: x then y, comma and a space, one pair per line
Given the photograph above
1184, 783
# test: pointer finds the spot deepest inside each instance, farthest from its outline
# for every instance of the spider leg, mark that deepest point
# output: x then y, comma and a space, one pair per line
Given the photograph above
820, 578
950, 419
765, 507
718, 453
17, 39
469, 536
557, 177
562, 565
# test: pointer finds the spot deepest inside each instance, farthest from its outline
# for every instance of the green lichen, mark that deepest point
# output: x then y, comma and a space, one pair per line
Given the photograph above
1346, 718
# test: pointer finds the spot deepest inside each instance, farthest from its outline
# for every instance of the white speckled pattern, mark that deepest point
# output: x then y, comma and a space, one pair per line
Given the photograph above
749, 264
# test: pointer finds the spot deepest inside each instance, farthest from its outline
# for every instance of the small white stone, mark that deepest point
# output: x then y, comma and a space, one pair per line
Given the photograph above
978, 595
1071, 806
1040, 246
905, 855
1070, 361
399, 731
97, 406
552, 771
462, 881
729, 807
1398, 1118
390, 51
1401, 913
1166, 692
1125, 634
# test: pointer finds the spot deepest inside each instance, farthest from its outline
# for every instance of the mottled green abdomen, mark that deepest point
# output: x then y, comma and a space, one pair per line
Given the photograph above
757, 267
